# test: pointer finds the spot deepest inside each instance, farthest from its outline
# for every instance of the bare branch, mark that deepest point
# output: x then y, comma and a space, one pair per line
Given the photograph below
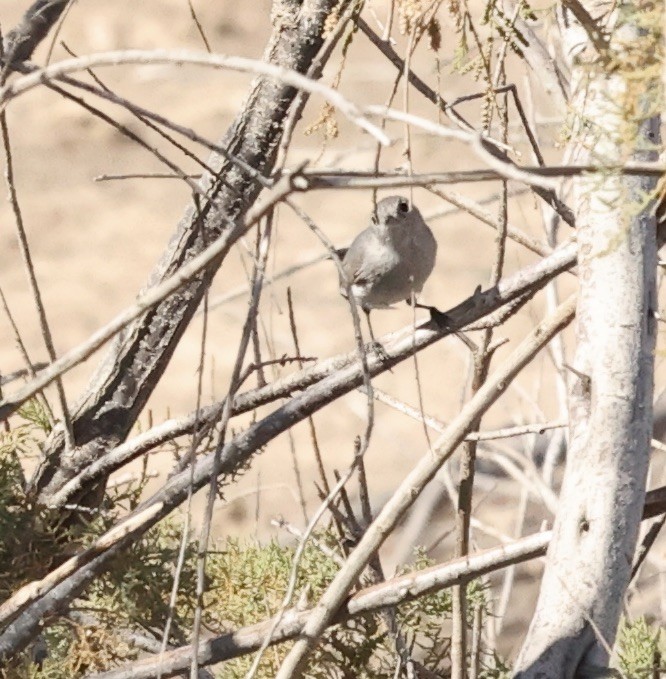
150, 298
22, 41
133, 366
498, 382
26, 255
180, 57
370, 180
390, 593
398, 349
539, 59
80, 570
474, 209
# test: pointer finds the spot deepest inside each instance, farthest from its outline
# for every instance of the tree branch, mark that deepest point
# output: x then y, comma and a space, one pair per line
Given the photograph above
332, 599
34, 26
27, 608
127, 376
611, 390
390, 593
84, 473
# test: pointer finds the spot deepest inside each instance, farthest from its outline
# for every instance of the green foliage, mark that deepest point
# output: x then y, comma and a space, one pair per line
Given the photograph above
639, 646
246, 584
34, 412
26, 531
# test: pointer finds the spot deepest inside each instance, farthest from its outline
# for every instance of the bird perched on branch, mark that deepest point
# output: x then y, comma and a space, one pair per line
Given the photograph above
389, 261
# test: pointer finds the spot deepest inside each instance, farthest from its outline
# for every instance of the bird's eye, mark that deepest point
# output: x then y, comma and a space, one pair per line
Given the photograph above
373, 219
403, 206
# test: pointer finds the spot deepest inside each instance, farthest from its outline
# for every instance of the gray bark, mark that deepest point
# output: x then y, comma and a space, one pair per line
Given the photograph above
395, 591
130, 371
611, 387
27, 620
34, 26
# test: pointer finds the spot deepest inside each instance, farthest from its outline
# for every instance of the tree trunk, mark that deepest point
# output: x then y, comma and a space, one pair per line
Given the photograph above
132, 368
611, 380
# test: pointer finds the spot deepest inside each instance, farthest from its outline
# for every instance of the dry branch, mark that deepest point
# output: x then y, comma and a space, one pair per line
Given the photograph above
546, 69
390, 593
413, 484
477, 306
284, 75
127, 376
611, 386
146, 302
26, 614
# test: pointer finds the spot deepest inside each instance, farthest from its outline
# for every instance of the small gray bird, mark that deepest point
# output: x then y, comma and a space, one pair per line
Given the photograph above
391, 259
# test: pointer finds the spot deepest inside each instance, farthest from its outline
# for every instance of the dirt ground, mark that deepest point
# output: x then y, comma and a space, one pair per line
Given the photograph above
94, 244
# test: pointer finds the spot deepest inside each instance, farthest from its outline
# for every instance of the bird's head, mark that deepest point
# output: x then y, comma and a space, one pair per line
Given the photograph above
394, 212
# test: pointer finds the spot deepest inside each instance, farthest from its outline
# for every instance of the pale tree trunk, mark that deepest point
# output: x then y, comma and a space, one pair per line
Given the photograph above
611, 383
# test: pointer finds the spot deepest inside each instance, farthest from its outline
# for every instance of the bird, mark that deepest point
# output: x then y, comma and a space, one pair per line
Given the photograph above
390, 260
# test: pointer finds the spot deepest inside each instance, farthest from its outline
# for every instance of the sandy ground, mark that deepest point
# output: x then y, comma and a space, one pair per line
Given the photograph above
94, 244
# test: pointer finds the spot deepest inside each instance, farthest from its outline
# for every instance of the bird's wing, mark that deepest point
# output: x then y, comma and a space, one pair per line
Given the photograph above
361, 265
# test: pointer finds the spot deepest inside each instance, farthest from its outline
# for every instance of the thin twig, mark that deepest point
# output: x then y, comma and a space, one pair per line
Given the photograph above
200, 29
178, 57
295, 565
509, 576
551, 222
28, 606
32, 368
356, 322
338, 179
389, 593
127, 132
475, 653
481, 365
473, 208
145, 120
32, 279
560, 260
191, 455
329, 604
234, 383
313, 431
149, 299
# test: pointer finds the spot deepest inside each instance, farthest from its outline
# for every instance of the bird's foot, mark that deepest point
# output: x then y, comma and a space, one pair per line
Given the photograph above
378, 349
436, 316
439, 317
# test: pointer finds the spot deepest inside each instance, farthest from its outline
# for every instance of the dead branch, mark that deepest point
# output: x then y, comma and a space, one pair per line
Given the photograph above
146, 302
34, 26
390, 593
26, 612
397, 349
284, 74
390, 180
413, 484
136, 362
